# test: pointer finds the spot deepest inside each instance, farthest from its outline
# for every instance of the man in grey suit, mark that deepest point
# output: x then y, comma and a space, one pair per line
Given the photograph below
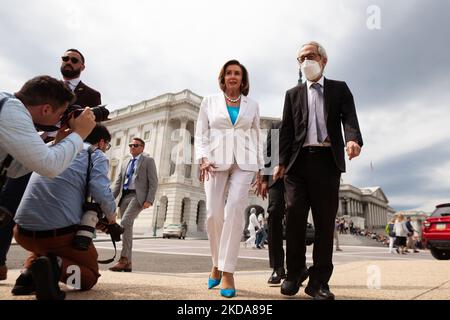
136, 187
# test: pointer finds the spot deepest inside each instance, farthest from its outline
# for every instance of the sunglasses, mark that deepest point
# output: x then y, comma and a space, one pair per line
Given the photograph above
134, 145
72, 59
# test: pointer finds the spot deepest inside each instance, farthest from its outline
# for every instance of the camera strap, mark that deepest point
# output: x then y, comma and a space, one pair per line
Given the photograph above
7, 161
88, 199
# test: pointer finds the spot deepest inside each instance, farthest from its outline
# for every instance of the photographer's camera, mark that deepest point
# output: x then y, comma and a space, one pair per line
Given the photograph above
92, 217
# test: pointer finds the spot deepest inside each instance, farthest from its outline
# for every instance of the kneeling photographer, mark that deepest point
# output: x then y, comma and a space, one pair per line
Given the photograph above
56, 223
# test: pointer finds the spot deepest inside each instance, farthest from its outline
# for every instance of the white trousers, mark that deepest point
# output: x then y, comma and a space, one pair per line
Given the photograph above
391, 244
226, 200
251, 241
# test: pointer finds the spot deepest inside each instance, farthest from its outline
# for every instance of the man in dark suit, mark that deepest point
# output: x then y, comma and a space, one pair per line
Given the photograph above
135, 187
311, 161
276, 210
72, 64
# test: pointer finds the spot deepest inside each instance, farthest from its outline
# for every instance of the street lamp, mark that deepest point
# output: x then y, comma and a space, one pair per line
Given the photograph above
156, 220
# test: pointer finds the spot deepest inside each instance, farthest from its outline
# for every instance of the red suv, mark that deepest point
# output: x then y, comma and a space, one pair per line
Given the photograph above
436, 232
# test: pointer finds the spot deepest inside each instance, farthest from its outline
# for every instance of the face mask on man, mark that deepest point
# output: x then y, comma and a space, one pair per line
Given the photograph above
311, 69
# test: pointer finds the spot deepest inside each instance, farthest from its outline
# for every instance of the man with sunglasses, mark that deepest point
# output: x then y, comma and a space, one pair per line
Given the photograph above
72, 64
136, 187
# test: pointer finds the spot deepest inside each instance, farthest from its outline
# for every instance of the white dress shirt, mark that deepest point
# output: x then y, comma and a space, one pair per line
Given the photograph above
73, 83
311, 137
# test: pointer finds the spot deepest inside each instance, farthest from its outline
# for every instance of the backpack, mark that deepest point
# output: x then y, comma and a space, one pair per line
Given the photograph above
390, 229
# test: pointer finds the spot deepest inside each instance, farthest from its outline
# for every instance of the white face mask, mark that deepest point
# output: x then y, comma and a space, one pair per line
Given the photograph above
311, 69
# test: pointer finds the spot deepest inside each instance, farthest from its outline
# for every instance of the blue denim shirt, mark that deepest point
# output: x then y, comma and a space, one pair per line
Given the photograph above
49, 204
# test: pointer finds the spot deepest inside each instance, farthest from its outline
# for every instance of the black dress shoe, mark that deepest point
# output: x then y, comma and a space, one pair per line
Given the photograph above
46, 274
320, 292
24, 284
277, 276
290, 286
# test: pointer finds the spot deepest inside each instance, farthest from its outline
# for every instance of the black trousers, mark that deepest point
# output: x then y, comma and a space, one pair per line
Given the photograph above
276, 210
311, 183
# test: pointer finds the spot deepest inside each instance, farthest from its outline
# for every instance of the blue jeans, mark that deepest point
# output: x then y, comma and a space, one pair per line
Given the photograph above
261, 237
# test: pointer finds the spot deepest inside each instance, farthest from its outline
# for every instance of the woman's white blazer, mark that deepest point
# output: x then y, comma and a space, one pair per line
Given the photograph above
225, 144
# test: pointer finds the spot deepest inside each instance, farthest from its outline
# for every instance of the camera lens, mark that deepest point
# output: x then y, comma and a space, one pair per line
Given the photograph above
101, 113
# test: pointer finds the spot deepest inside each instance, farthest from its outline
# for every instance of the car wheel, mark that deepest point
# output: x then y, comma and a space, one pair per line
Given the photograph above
440, 254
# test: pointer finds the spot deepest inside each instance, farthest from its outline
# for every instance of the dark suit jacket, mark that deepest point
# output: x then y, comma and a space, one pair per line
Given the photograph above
339, 107
86, 96
269, 178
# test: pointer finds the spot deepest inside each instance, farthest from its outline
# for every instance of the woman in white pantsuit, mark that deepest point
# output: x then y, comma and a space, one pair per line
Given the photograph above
228, 147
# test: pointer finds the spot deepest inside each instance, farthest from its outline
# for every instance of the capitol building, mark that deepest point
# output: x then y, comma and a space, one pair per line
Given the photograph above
167, 123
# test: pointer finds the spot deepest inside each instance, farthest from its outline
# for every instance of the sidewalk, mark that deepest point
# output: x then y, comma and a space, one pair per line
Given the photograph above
387, 280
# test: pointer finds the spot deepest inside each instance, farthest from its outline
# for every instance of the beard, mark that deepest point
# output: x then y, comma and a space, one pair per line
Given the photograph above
70, 73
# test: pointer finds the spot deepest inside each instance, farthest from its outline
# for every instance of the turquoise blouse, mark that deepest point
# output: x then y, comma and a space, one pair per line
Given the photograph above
233, 112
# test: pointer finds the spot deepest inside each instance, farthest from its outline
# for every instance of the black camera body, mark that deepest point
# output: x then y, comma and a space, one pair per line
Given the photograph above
114, 230
92, 217
100, 113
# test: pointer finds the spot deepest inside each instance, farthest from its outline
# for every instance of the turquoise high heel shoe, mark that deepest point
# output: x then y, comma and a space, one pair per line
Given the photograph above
213, 282
228, 293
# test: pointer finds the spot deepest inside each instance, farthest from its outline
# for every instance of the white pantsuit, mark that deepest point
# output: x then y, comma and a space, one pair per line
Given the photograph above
237, 152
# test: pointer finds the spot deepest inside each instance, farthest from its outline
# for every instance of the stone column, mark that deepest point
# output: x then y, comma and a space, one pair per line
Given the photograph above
192, 226
195, 167
376, 215
180, 162
152, 142
125, 151
158, 148
173, 207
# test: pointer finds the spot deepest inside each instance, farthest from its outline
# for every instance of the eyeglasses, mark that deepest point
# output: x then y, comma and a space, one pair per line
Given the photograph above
134, 145
311, 56
72, 59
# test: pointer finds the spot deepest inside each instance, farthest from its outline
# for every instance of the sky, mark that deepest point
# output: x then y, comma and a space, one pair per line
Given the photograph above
394, 56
